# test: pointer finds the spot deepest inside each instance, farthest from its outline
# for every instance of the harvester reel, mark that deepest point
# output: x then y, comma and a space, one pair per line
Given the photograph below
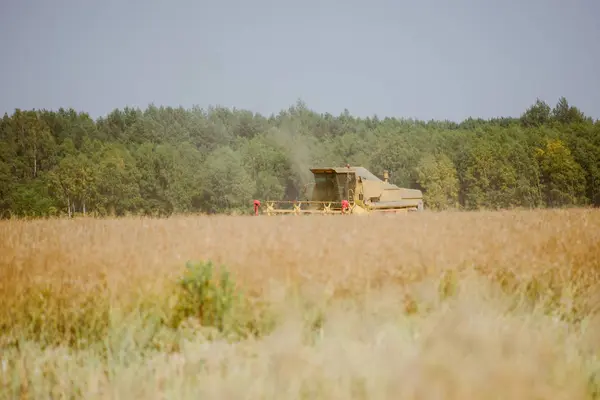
270, 207
297, 208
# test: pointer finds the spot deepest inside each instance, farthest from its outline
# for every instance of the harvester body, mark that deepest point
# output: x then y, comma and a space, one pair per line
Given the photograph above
350, 190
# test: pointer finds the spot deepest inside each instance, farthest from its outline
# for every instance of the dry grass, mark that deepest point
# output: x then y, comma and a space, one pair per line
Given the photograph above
434, 305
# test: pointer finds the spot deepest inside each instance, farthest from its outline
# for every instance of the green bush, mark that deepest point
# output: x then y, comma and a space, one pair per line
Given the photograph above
209, 295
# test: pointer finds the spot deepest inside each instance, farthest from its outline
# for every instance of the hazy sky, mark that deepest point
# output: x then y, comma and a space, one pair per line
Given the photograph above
443, 59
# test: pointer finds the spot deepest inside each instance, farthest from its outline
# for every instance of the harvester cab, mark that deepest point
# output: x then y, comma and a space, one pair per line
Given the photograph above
349, 190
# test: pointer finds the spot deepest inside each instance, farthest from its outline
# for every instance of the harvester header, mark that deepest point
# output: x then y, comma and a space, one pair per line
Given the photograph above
347, 190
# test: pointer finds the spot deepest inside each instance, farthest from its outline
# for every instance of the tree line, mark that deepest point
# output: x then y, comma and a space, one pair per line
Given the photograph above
164, 160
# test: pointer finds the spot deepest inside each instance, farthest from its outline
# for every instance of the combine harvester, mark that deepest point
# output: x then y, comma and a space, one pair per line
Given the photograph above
348, 190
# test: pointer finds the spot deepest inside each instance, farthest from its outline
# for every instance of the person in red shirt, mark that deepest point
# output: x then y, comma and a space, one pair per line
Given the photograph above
345, 206
256, 206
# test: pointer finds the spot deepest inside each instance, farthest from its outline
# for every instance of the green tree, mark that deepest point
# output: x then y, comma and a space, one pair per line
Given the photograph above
562, 178
536, 115
73, 183
438, 177
227, 185
564, 113
117, 187
489, 181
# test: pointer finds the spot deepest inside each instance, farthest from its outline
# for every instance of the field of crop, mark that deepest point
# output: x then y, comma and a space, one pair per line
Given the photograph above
420, 306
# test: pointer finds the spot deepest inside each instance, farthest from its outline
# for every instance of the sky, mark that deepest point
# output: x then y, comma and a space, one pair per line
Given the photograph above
426, 59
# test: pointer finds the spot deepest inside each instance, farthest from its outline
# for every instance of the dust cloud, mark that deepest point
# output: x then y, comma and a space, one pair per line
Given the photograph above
298, 150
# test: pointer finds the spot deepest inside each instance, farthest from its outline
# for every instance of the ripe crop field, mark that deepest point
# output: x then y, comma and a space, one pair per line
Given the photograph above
419, 306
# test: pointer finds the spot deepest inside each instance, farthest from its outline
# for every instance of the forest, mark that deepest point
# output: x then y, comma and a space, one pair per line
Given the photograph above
163, 160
